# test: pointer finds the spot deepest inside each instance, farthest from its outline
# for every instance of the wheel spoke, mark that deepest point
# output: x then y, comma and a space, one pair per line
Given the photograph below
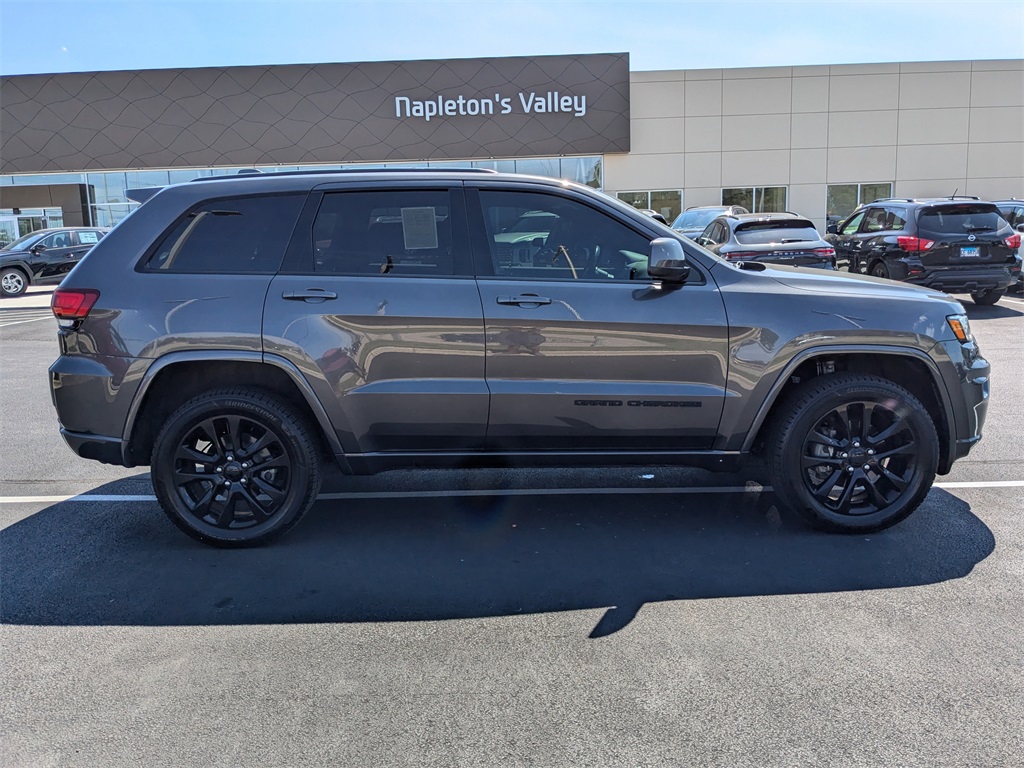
904, 450
276, 462
874, 493
895, 480
893, 429
823, 490
209, 431
265, 440
818, 437
867, 413
259, 512
846, 418
273, 492
183, 476
234, 433
843, 502
202, 507
224, 511
819, 461
188, 453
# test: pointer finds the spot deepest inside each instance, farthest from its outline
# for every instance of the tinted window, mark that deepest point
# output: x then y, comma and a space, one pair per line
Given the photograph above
234, 236
579, 243
695, 219
398, 232
776, 232
961, 219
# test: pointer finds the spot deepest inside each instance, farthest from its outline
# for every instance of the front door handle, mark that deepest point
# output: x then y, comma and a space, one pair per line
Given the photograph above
524, 300
311, 295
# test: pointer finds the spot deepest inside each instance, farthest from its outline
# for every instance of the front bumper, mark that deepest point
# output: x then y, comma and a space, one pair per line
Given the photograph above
968, 380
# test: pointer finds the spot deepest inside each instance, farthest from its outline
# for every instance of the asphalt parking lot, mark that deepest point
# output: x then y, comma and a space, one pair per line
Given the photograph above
512, 618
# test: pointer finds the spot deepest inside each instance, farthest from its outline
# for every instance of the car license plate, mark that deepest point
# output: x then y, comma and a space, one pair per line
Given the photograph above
970, 253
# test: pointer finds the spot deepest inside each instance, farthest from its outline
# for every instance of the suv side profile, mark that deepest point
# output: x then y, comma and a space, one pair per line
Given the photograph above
234, 334
954, 244
44, 257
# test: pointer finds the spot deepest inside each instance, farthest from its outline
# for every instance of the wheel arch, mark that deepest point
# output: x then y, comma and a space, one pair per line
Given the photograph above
178, 377
912, 369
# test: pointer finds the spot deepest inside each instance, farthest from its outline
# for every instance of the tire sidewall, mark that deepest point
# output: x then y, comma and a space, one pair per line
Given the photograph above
284, 425
789, 476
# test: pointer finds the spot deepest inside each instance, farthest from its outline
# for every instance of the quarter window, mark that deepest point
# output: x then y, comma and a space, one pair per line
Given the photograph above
230, 236
394, 233
537, 236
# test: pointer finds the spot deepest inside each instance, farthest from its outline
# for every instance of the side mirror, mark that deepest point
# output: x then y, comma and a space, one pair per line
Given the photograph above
668, 262
38, 248
832, 229
1020, 227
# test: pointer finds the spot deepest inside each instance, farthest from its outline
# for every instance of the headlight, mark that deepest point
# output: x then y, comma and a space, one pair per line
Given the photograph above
960, 327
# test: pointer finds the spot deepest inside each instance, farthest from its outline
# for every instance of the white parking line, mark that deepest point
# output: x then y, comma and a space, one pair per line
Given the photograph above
753, 488
4, 324
1013, 301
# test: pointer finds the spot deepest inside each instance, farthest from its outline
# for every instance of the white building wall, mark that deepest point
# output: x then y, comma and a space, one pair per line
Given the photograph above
930, 128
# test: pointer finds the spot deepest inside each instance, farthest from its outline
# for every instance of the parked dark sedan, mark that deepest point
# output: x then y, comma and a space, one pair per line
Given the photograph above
777, 238
44, 257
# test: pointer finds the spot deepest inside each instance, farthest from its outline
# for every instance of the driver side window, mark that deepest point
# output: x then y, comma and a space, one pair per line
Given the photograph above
538, 236
853, 224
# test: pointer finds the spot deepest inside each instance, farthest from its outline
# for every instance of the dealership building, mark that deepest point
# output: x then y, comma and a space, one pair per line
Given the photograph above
813, 139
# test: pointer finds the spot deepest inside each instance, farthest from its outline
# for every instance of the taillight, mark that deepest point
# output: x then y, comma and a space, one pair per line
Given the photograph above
825, 251
1013, 241
71, 305
914, 244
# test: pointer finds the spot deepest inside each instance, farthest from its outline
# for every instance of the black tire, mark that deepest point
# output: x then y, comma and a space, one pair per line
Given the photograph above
821, 443
988, 298
13, 282
878, 269
218, 446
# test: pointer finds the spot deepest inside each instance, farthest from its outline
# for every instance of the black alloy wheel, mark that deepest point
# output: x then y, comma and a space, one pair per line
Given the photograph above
880, 270
235, 468
855, 453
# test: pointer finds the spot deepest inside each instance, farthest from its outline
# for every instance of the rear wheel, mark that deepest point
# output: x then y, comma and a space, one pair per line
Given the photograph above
880, 270
13, 282
986, 298
853, 453
235, 468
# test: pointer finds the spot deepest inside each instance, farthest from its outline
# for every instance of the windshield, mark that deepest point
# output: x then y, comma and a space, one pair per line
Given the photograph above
776, 232
695, 219
26, 241
961, 219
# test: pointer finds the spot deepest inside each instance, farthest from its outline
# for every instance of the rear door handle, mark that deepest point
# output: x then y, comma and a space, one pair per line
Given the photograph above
311, 295
524, 300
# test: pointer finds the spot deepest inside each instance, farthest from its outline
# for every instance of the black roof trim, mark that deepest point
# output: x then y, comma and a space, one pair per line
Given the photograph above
327, 172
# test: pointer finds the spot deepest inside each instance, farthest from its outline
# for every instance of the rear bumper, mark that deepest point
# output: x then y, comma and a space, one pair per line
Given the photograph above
959, 280
106, 450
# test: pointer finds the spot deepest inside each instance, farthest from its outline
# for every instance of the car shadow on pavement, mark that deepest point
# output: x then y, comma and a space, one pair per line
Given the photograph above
420, 559
993, 312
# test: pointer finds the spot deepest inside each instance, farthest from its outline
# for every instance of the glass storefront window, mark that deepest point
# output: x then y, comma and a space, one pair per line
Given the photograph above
669, 203
109, 215
743, 196
540, 167
636, 199
842, 199
756, 199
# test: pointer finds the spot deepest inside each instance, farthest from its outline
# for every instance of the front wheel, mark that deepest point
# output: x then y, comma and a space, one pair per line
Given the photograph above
853, 453
13, 282
987, 298
235, 468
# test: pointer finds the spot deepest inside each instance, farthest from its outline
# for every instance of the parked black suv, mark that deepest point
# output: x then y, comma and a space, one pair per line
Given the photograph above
232, 333
44, 257
774, 238
952, 244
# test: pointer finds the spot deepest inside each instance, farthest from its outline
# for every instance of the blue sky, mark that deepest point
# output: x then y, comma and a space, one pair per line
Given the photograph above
38, 36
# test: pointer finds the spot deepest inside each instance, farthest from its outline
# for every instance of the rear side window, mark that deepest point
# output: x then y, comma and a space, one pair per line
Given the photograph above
88, 237
398, 232
231, 236
776, 232
960, 219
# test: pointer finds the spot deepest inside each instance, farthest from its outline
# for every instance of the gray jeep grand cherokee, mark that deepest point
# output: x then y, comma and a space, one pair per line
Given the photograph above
233, 333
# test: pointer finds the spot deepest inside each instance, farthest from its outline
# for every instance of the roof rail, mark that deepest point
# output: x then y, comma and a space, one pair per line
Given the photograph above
248, 174
890, 200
